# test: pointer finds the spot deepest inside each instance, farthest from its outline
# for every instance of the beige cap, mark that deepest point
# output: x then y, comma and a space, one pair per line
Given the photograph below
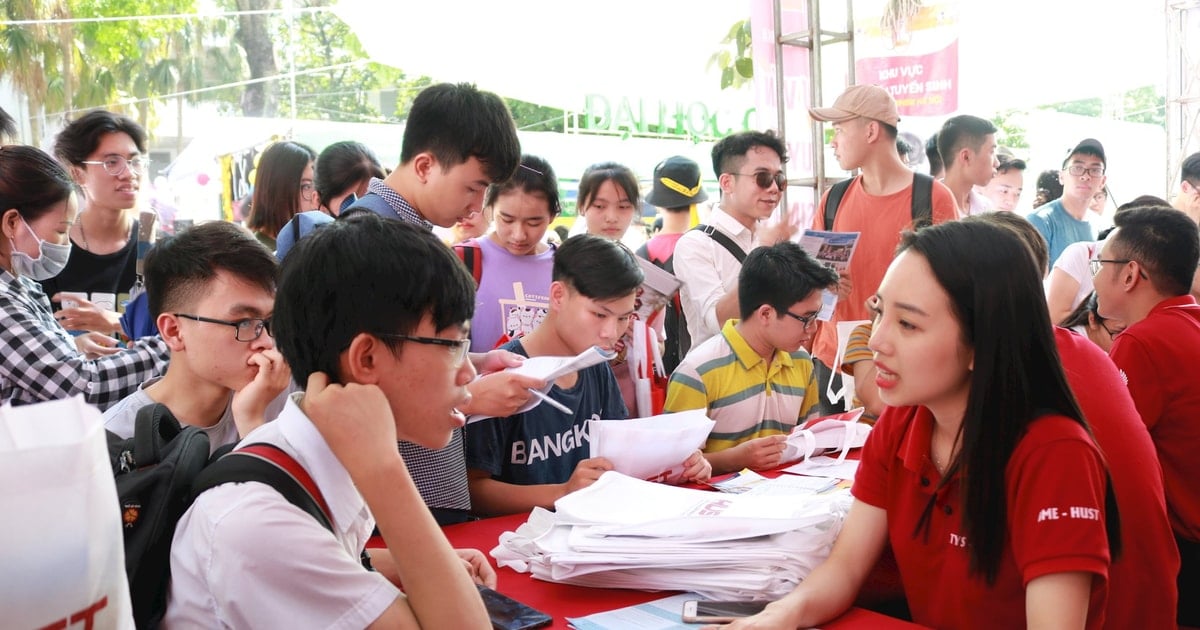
860, 101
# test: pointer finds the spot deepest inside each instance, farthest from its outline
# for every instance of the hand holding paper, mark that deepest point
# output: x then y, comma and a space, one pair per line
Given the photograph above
531, 372
651, 448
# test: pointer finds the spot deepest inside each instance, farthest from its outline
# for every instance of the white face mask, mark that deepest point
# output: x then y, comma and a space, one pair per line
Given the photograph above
51, 260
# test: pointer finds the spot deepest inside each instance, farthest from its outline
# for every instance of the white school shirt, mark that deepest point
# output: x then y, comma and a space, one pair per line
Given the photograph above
243, 557
708, 272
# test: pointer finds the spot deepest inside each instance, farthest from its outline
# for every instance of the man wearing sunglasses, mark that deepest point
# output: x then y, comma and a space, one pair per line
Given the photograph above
1064, 220
211, 291
878, 204
754, 378
749, 168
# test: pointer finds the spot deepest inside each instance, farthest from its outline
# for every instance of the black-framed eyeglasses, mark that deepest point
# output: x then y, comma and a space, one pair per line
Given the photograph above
807, 320
1111, 333
245, 330
1096, 264
460, 346
1078, 169
764, 179
115, 165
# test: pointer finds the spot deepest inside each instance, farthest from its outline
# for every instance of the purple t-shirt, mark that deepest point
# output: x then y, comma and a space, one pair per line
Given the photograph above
513, 296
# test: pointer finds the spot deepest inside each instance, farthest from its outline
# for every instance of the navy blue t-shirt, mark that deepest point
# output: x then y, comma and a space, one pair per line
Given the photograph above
543, 445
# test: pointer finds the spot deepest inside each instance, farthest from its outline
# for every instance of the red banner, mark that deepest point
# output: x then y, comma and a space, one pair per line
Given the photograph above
923, 85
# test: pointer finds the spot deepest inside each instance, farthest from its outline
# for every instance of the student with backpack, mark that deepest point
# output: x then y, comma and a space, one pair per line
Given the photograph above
676, 189
512, 264
883, 201
380, 340
212, 292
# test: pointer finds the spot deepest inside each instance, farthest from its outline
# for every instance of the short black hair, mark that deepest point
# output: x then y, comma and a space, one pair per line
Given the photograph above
179, 267
1049, 187
1190, 170
456, 122
1010, 164
962, 131
1164, 241
81, 137
534, 175
341, 166
931, 153
729, 152
364, 274
779, 276
597, 268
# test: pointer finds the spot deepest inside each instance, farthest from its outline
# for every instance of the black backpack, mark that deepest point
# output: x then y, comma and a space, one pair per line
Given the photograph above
922, 200
158, 473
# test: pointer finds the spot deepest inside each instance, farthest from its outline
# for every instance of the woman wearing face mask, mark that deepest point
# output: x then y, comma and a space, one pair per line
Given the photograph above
283, 187
41, 360
106, 155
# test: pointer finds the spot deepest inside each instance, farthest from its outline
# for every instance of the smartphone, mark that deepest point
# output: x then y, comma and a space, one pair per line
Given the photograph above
699, 611
507, 613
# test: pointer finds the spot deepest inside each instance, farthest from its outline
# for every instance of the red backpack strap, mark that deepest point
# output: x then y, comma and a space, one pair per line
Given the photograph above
471, 255
285, 462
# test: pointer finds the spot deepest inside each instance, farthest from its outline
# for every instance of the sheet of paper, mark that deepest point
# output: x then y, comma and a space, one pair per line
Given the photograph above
652, 448
825, 467
660, 614
551, 368
833, 250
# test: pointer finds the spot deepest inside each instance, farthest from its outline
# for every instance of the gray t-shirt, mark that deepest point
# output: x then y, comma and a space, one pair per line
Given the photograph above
120, 417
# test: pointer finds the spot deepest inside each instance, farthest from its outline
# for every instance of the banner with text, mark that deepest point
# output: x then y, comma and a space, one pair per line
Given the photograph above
911, 50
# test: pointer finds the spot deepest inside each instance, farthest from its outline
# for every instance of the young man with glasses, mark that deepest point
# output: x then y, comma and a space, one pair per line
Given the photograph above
373, 316
106, 156
749, 168
878, 204
1143, 274
212, 291
1064, 220
754, 378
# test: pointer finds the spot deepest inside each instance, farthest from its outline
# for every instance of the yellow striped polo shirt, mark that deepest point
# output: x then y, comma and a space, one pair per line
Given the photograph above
747, 397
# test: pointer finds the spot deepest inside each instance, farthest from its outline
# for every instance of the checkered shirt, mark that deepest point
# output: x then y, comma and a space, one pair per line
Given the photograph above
39, 360
404, 210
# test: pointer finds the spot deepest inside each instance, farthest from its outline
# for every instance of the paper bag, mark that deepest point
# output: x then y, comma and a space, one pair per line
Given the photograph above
64, 559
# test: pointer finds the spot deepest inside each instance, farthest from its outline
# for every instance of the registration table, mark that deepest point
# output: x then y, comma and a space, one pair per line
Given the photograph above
565, 600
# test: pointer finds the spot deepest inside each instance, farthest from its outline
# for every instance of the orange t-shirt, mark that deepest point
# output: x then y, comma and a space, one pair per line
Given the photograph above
879, 220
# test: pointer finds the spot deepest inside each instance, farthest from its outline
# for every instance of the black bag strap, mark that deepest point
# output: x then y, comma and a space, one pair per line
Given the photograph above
721, 238
922, 200
153, 427
267, 463
834, 199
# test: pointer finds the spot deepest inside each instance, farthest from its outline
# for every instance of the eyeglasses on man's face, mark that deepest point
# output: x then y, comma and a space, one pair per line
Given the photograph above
1077, 170
115, 165
1098, 263
245, 330
808, 320
459, 347
764, 179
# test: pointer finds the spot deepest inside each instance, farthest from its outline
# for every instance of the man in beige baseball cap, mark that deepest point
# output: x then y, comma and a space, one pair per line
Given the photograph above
878, 204
860, 101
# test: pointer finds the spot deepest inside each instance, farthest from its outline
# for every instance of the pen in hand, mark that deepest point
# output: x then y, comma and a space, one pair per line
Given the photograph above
550, 401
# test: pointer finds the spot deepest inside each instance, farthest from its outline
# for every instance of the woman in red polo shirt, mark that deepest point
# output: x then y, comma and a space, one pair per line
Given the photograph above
980, 473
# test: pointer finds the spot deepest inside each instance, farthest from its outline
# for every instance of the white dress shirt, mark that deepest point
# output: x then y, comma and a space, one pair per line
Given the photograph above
243, 557
708, 272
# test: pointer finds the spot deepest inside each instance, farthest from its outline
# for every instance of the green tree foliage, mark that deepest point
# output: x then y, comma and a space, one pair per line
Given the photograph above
1143, 105
734, 57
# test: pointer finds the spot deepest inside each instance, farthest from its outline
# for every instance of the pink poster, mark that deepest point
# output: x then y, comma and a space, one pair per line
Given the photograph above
911, 49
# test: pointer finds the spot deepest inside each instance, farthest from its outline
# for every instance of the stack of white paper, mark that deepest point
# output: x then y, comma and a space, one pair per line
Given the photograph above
625, 533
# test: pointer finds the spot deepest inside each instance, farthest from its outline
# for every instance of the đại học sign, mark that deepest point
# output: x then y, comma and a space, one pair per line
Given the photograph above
642, 116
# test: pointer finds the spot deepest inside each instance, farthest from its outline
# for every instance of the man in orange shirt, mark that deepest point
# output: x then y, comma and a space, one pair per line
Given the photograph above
877, 205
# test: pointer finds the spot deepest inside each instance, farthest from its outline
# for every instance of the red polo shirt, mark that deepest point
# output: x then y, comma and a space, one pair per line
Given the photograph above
1142, 591
1055, 484
1158, 358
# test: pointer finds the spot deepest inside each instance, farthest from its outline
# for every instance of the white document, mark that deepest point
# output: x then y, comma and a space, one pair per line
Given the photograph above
660, 614
651, 448
839, 432
825, 467
551, 368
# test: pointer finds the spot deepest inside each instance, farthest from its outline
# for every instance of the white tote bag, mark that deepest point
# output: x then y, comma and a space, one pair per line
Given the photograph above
63, 560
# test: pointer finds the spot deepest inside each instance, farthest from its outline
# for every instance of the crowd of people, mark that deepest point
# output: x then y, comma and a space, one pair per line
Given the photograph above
1027, 378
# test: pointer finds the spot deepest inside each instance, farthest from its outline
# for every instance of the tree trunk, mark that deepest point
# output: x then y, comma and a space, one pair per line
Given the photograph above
253, 35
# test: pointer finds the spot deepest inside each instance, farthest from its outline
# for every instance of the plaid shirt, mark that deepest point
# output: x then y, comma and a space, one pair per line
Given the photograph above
40, 360
440, 475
